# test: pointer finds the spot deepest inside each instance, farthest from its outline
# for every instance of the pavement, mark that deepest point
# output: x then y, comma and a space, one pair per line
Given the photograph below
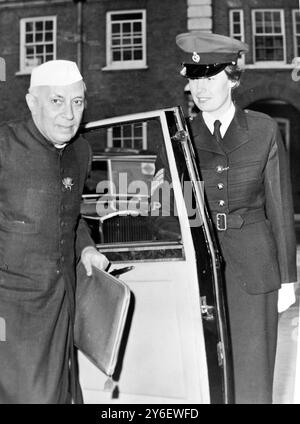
287, 367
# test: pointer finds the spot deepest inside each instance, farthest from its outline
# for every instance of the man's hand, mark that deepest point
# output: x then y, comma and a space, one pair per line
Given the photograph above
90, 256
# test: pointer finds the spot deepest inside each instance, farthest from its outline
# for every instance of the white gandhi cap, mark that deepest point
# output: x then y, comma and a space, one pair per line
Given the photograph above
55, 72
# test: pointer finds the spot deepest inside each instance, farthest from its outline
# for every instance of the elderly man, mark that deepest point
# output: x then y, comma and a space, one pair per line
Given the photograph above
44, 164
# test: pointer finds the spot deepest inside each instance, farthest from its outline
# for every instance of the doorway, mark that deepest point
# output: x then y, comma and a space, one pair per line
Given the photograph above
288, 119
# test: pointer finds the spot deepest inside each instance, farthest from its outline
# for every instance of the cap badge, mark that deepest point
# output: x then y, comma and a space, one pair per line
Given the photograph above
183, 71
196, 57
68, 183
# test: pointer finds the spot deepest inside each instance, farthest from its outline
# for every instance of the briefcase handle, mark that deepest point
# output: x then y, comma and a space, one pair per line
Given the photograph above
118, 271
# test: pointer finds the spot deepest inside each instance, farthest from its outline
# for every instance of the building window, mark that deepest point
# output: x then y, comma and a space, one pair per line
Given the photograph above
236, 20
236, 23
38, 41
269, 37
126, 39
128, 136
296, 31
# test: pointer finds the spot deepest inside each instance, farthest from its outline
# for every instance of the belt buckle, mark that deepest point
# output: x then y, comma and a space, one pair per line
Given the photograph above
221, 221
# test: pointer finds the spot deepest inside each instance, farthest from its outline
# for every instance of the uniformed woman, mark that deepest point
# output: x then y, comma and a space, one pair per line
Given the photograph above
246, 178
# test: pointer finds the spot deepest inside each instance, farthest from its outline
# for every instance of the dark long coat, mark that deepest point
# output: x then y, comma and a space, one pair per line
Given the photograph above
41, 236
246, 177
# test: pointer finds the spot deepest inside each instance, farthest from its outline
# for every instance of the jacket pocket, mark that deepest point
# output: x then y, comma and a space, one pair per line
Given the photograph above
251, 258
16, 240
16, 226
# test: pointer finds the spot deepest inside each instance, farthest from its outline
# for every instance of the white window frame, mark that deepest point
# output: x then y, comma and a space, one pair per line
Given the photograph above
25, 69
295, 34
271, 63
110, 139
241, 35
124, 64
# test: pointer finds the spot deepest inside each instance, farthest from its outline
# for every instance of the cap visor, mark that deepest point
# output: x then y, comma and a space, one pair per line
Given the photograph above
203, 71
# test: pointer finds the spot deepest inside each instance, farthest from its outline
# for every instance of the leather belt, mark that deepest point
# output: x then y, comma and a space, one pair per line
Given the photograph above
224, 221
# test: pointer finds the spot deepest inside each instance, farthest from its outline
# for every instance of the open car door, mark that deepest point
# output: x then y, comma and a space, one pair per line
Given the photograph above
145, 206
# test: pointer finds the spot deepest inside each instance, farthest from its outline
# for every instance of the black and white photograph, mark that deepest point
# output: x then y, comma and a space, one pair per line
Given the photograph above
149, 205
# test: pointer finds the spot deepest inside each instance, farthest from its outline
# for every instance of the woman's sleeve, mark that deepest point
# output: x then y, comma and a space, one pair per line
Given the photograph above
279, 206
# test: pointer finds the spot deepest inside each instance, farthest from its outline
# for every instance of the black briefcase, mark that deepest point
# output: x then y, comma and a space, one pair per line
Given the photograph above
102, 303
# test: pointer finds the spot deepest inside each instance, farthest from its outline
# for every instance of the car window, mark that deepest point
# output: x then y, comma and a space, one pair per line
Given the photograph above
127, 198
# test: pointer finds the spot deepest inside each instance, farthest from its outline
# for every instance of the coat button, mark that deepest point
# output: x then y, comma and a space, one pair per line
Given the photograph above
221, 202
220, 186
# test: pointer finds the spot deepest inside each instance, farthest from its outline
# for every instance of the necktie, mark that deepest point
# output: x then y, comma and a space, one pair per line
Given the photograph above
217, 132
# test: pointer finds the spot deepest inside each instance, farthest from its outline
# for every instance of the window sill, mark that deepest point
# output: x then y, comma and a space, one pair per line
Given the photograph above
21, 73
123, 68
269, 65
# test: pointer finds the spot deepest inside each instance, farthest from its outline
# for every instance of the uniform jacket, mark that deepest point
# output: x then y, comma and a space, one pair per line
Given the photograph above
246, 173
41, 237
248, 191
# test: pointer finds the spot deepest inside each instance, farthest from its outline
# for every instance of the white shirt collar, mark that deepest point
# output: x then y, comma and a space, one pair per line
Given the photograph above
60, 146
225, 120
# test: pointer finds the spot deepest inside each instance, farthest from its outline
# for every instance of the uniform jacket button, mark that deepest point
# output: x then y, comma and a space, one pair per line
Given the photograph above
219, 169
220, 186
221, 202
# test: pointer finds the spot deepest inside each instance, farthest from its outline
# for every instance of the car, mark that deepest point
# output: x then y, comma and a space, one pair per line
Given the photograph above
145, 206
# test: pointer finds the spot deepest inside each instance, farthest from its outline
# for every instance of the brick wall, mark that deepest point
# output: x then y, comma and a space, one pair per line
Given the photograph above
126, 91
274, 90
221, 17
12, 92
260, 84
109, 92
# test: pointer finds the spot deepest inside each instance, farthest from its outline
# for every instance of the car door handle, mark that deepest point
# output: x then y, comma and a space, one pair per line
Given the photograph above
207, 311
